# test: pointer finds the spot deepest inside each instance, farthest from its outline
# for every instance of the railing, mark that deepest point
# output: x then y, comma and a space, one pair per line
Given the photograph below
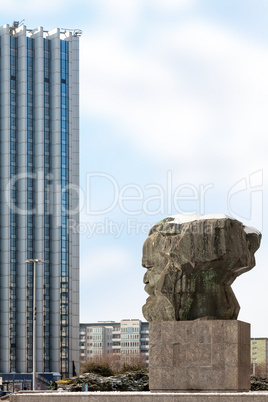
41, 378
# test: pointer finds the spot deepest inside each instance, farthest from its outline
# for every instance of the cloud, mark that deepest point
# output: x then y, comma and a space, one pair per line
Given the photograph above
196, 92
171, 5
130, 12
30, 7
138, 92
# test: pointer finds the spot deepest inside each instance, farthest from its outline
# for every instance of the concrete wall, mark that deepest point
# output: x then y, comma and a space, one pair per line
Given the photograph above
138, 397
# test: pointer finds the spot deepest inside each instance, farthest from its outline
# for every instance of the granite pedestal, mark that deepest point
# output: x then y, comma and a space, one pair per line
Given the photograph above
201, 355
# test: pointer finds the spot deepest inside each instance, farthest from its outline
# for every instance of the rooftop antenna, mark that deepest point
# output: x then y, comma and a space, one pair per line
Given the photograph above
15, 25
75, 32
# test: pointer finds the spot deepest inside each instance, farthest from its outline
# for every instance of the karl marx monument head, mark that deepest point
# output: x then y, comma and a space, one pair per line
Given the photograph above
191, 262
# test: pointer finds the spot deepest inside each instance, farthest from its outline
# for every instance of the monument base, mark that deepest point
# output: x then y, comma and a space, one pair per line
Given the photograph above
22, 396
201, 355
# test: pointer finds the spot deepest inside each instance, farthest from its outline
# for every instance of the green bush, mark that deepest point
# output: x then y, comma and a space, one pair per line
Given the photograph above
111, 364
101, 368
132, 367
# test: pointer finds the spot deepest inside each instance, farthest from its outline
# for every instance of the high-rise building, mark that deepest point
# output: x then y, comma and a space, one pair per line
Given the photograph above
127, 338
39, 179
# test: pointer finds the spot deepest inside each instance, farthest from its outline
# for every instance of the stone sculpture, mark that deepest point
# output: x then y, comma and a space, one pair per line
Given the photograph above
191, 262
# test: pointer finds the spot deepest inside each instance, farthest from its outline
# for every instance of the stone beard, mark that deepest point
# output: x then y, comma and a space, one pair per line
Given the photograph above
191, 262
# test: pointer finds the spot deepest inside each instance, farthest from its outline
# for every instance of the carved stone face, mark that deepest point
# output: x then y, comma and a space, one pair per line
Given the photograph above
154, 261
160, 278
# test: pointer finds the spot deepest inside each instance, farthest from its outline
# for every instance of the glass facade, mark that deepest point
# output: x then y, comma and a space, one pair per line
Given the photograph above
47, 217
13, 171
64, 291
37, 138
30, 197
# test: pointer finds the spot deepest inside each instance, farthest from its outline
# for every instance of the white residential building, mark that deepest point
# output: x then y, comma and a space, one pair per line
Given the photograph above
129, 338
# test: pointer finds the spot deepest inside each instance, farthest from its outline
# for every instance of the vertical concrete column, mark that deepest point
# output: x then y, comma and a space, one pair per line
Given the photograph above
38, 245
74, 200
54, 36
4, 194
21, 306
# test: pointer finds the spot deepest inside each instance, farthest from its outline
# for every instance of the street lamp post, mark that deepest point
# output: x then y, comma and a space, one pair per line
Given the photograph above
35, 261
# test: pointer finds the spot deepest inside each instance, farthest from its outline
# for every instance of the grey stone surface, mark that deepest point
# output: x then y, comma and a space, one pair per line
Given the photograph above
191, 263
139, 397
199, 355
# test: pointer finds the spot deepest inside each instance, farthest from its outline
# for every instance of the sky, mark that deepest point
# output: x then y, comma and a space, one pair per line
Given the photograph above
173, 119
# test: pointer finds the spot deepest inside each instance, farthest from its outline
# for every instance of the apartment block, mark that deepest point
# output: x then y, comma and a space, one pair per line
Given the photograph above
259, 355
128, 338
